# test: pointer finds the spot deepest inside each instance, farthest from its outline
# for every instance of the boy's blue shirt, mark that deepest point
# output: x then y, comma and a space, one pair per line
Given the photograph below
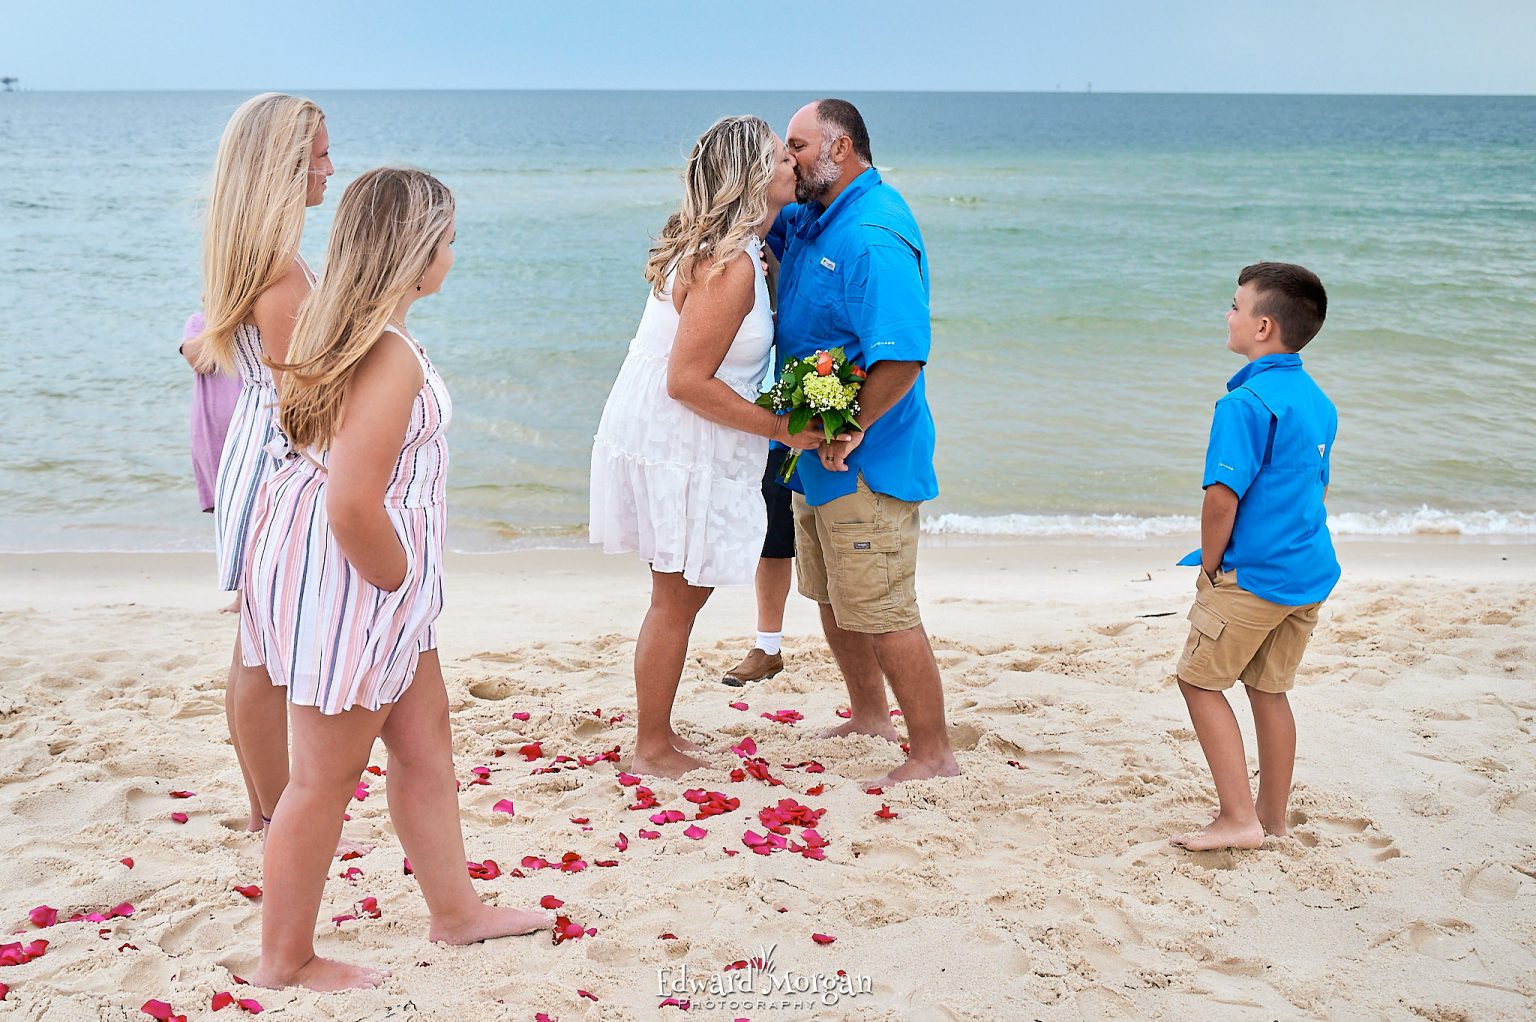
855, 275
1271, 439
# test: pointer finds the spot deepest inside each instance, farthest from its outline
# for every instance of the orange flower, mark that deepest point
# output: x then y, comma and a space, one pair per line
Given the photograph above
824, 363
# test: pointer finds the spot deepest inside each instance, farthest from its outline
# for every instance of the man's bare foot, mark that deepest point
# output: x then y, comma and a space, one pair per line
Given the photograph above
490, 922
321, 975
917, 770
880, 729
670, 763
683, 745
1222, 833
346, 847
233, 607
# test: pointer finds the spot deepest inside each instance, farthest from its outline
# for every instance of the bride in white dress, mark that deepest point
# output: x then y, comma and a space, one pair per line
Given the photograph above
677, 463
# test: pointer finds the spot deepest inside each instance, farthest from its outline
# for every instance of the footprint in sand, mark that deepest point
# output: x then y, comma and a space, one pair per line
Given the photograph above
1491, 883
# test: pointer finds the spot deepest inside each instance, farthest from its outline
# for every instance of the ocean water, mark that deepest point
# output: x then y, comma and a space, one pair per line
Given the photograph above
1084, 249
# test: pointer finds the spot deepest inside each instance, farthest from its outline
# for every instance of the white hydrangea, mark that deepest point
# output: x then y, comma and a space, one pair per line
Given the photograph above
827, 393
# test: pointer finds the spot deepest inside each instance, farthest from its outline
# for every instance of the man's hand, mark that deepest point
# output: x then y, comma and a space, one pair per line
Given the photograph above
834, 455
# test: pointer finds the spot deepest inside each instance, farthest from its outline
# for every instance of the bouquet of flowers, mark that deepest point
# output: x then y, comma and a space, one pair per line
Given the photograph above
822, 386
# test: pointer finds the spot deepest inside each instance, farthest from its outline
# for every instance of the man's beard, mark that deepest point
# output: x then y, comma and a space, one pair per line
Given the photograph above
811, 185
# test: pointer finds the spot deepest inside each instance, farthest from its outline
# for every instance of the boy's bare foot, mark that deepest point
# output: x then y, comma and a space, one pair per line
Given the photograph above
1273, 830
670, 763
1222, 833
489, 923
917, 770
854, 726
321, 975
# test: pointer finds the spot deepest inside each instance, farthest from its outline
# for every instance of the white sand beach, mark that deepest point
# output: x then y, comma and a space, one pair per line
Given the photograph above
1038, 886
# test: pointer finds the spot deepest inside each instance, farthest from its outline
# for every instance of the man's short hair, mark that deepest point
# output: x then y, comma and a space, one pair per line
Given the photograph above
1290, 295
843, 118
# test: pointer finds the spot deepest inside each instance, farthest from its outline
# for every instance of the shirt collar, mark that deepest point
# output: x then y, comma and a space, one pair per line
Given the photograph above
1283, 360
849, 195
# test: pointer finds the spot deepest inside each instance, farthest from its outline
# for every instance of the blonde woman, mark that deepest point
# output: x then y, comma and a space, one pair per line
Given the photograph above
677, 463
273, 162
343, 579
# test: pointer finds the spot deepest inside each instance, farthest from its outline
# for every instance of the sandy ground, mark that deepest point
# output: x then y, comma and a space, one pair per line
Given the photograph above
1041, 888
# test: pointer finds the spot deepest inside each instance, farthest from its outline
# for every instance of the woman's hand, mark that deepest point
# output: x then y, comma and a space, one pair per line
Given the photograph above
808, 439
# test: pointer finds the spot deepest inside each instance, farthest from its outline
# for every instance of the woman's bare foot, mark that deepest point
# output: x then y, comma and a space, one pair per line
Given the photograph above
1273, 830
346, 847
233, 607
670, 763
876, 729
489, 923
1222, 833
321, 975
917, 770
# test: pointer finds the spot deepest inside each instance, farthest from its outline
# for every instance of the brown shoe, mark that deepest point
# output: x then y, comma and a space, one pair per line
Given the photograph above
758, 666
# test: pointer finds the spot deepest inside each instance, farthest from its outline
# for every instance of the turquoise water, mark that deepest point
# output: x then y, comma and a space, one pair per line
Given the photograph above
1084, 250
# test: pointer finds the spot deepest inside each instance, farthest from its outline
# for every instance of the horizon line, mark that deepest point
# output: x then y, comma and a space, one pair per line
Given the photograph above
797, 92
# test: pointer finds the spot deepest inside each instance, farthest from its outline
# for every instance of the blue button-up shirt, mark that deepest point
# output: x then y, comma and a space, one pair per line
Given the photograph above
855, 275
1271, 438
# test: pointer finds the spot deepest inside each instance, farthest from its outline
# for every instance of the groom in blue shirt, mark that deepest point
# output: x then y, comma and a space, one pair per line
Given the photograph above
854, 275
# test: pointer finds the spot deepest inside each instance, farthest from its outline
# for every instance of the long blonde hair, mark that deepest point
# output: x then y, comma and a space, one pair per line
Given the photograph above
388, 226
725, 196
255, 213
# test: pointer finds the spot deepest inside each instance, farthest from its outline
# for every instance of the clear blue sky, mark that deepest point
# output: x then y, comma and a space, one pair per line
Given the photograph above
1390, 46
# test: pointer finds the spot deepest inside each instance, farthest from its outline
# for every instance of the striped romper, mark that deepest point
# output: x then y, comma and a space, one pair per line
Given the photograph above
331, 637
245, 464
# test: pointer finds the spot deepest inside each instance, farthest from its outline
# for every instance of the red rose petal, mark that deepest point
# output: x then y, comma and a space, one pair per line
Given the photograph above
532, 751
581, 821
667, 936
43, 916
520, 715
816, 789
349, 856
249, 890
625, 780
822, 938
746, 747
845, 713
3, 991
157, 1010
504, 806
353, 873
405, 867
884, 813
739, 706
874, 791
622, 844
649, 835
588, 995
696, 832
250, 1005
605, 863
345, 917
222, 1000
179, 817
183, 794
783, 716
127, 862
550, 901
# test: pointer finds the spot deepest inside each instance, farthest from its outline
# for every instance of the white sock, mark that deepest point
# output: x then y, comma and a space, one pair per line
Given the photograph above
769, 642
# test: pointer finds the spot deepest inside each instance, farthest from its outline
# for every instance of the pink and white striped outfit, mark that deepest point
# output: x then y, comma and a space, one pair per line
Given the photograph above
332, 638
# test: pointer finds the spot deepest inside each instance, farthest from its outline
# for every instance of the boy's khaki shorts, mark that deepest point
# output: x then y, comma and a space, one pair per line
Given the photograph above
859, 554
1237, 635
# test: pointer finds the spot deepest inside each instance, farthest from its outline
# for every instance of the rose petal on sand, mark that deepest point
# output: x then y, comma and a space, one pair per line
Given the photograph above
532, 751
739, 706
550, 901
589, 995
405, 867
3, 991
250, 1004
746, 747
622, 844
183, 794
884, 813
581, 821
353, 873
822, 938
816, 789
504, 806
874, 791
649, 835
248, 890
345, 917
361, 791
696, 832
605, 863
179, 817
520, 715
844, 712
43, 916
783, 716
673, 1002
160, 1010
349, 856
127, 862
487, 870
667, 936
370, 908
625, 780
222, 1000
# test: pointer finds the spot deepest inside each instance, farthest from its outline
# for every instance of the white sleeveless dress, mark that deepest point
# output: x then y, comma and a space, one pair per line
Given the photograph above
684, 492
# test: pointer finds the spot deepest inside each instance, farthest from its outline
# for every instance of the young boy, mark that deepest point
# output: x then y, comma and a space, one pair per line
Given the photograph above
1266, 559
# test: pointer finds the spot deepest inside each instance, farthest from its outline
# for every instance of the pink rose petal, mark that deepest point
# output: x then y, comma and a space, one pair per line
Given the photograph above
222, 1000
738, 705
696, 832
43, 916
504, 806
179, 817
822, 938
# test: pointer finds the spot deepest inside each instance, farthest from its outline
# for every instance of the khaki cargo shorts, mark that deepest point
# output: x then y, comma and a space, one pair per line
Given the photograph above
1237, 635
859, 554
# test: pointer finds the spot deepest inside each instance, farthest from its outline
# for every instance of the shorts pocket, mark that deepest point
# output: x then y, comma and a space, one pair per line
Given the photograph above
860, 565
1206, 621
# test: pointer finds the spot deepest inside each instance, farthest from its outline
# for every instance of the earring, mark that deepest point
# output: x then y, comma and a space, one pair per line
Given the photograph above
418, 287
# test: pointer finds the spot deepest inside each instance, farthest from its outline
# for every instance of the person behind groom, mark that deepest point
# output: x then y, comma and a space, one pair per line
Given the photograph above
854, 275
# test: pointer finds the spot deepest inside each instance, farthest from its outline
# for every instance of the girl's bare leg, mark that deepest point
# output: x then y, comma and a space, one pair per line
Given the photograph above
232, 718
424, 806
329, 754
